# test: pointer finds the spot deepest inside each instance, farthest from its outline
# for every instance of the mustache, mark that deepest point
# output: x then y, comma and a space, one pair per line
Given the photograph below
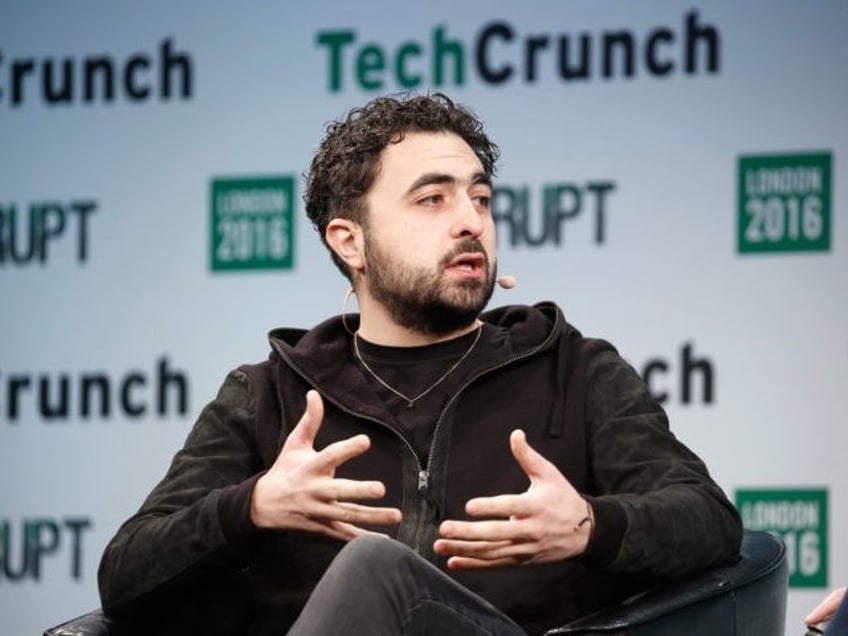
466, 247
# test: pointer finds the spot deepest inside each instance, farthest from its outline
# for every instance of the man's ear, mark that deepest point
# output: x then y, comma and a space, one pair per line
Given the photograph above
345, 238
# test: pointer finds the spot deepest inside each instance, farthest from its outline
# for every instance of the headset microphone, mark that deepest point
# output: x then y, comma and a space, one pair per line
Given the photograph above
507, 282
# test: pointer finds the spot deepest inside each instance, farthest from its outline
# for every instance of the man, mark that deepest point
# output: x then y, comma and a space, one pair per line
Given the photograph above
524, 460
833, 611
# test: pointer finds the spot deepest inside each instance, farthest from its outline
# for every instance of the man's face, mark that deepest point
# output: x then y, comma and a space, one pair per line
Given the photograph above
429, 235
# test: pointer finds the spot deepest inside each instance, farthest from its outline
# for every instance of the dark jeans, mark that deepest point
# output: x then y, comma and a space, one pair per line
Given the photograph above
378, 586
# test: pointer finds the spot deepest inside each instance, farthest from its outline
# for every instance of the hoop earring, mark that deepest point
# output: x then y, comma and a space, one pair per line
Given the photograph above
350, 292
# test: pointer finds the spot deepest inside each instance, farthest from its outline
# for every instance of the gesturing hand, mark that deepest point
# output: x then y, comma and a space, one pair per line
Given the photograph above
825, 610
540, 525
300, 490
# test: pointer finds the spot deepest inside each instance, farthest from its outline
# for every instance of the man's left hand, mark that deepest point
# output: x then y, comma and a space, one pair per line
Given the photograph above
540, 525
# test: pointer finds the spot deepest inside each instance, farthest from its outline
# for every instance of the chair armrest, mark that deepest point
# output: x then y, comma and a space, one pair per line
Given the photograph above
92, 624
749, 591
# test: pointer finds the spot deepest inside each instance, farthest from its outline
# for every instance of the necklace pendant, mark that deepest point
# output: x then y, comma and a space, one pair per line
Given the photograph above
410, 403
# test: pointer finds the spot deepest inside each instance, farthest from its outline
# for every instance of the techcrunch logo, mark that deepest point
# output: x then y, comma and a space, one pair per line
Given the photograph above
98, 79
500, 53
25, 236
63, 397
252, 223
533, 219
24, 544
784, 203
692, 371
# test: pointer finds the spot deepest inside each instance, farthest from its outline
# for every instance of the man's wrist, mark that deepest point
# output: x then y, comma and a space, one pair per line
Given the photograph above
609, 522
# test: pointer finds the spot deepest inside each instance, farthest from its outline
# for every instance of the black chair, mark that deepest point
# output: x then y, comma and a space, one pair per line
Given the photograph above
746, 598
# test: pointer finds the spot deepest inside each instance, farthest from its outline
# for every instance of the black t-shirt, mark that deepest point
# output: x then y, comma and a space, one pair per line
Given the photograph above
412, 371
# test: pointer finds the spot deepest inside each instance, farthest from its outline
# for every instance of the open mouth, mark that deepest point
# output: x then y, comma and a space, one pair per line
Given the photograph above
470, 264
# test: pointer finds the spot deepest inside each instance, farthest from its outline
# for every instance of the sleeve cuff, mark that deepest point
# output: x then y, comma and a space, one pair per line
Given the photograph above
608, 532
234, 510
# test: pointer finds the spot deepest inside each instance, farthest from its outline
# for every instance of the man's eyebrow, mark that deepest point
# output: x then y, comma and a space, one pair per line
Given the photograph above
481, 178
431, 178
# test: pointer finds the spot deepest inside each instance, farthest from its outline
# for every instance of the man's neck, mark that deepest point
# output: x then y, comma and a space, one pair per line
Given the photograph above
378, 327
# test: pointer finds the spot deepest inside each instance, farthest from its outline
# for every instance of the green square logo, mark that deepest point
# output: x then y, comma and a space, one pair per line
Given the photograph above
252, 223
784, 203
799, 517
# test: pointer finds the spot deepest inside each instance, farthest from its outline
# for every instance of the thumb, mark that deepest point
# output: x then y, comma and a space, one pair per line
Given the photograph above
827, 608
531, 462
303, 435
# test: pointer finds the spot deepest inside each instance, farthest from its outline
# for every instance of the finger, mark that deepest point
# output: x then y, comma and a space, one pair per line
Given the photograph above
821, 611
499, 530
303, 434
349, 513
383, 516
351, 531
347, 489
827, 608
499, 506
337, 453
341, 531
373, 533
477, 549
335, 529
531, 462
466, 563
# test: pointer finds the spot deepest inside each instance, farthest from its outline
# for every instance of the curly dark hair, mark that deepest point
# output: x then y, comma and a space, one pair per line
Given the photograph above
348, 160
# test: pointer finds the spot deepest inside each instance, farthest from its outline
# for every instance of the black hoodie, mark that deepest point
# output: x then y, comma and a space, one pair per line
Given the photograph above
657, 511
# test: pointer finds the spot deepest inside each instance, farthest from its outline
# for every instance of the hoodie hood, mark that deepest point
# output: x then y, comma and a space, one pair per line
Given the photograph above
323, 356
318, 352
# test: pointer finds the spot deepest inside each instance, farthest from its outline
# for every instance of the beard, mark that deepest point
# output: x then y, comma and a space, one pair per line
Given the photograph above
419, 299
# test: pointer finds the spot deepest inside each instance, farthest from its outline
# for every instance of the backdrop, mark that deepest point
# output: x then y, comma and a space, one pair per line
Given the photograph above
673, 175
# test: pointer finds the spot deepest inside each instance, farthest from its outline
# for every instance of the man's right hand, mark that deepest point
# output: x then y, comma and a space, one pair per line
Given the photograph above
300, 491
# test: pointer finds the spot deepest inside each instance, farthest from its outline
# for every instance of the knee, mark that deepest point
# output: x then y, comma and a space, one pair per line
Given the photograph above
372, 554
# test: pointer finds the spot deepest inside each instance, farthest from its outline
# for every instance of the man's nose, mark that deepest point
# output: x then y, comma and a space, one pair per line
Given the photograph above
469, 221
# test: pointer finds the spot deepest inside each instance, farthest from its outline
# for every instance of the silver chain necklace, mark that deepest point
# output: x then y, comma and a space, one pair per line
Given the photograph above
410, 402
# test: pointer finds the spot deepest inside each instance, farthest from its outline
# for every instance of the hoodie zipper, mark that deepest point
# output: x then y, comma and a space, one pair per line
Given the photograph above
431, 451
423, 475
423, 471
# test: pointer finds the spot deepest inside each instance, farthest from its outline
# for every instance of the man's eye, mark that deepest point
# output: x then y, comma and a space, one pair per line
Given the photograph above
484, 201
432, 200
